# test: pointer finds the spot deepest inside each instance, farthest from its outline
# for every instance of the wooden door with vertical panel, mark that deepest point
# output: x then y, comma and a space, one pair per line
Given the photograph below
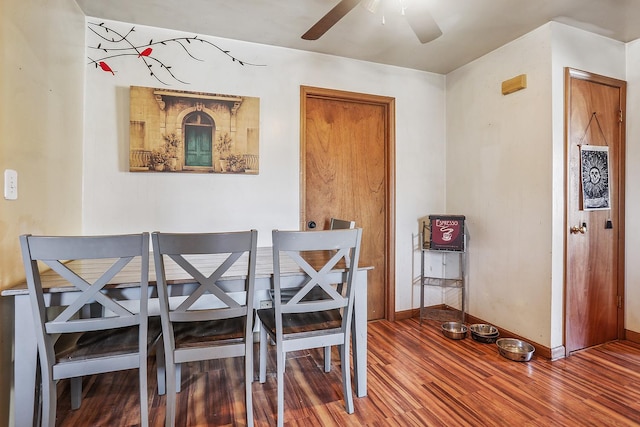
347, 173
594, 285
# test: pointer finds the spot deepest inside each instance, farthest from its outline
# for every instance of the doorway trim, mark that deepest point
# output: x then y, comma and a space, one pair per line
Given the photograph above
388, 104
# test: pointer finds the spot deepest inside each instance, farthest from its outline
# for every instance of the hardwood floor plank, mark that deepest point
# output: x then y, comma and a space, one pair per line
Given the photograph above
450, 410
521, 397
417, 377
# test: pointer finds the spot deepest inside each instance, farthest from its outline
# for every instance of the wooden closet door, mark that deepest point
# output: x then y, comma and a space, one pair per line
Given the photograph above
594, 312
345, 174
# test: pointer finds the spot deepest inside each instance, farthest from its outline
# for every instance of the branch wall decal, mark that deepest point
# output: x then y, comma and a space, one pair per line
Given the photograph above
113, 44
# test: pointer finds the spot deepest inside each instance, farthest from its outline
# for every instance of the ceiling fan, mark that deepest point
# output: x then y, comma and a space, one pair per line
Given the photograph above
416, 12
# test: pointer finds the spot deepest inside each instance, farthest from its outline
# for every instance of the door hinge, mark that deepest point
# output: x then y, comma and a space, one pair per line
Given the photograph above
620, 116
619, 301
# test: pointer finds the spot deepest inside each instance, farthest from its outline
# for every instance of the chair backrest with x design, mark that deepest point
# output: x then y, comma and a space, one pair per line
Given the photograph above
220, 252
321, 289
115, 336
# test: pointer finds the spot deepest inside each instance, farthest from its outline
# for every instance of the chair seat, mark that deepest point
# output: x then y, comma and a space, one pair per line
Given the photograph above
295, 323
82, 346
207, 333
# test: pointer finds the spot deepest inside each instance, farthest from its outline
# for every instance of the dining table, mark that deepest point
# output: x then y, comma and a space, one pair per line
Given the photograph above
127, 284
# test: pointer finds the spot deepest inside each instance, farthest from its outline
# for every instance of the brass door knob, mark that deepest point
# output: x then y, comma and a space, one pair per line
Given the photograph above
579, 229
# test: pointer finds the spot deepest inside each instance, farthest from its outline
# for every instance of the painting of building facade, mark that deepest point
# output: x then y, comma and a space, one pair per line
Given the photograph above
195, 132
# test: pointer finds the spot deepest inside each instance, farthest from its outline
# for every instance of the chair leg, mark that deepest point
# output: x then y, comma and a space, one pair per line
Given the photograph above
248, 379
161, 368
49, 401
170, 413
144, 398
178, 376
76, 392
263, 354
327, 359
162, 371
346, 376
280, 380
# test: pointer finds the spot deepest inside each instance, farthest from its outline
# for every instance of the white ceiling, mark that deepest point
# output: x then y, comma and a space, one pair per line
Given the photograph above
471, 28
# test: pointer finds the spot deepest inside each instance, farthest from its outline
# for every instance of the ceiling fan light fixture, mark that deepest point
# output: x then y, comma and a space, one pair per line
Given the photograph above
421, 22
371, 5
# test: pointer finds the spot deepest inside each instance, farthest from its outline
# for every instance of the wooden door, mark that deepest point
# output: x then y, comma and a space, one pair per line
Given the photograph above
594, 285
347, 172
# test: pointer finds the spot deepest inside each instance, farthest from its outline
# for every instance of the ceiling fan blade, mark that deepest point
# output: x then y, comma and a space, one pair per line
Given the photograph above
422, 23
330, 19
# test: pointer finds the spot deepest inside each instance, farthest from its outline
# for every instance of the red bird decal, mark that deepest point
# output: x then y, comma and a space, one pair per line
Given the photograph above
145, 52
105, 67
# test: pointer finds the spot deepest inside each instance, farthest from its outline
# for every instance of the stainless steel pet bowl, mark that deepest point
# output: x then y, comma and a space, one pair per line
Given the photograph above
515, 349
454, 330
484, 329
484, 333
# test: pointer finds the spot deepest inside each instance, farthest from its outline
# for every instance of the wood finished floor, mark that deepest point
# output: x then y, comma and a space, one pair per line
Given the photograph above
417, 377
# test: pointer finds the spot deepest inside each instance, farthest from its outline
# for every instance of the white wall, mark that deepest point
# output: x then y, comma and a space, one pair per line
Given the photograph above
505, 171
499, 159
632, 226
41, 122
42, 69
115, 200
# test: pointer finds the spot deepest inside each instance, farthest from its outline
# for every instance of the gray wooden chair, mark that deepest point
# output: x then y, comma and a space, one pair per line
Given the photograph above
113, 338
305, 320
337, 224
341, 224
208, 322
285, 294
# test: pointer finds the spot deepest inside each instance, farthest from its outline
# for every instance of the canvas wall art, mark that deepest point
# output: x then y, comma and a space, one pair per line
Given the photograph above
193, 132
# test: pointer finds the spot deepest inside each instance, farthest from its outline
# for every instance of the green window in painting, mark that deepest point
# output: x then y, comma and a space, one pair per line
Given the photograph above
198, 131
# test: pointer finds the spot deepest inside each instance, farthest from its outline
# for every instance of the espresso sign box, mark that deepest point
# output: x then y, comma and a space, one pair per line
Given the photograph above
446, 232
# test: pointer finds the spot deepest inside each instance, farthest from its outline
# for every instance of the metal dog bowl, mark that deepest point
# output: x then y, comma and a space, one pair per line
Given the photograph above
454, 330
485, 339
484, 329
514, 349
484, 333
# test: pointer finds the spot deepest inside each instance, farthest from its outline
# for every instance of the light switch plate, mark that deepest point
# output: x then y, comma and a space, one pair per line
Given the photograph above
10, 184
